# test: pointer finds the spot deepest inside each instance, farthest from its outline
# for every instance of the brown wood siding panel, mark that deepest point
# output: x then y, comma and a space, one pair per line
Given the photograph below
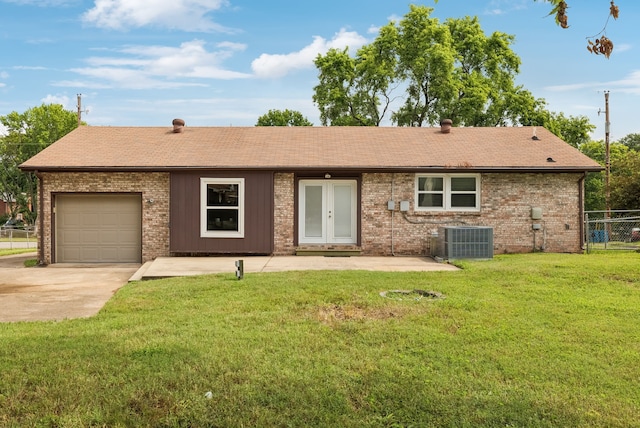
185, 215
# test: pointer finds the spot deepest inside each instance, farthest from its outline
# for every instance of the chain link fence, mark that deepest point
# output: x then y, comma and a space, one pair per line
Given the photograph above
11, 238
612, 230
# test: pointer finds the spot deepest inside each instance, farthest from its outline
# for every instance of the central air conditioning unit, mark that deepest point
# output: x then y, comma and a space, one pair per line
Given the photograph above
465, 242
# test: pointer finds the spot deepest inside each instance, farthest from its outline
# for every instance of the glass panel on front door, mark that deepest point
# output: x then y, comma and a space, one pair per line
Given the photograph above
313, 208
342, 216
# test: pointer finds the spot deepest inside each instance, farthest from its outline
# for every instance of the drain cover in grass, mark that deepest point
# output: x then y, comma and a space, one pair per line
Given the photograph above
411, 295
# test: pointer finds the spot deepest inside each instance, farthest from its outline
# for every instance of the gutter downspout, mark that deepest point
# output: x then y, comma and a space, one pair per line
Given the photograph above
393, 212
581, 208
40, 219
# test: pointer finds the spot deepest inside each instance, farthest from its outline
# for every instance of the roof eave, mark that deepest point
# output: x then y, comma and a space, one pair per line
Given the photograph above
282, 168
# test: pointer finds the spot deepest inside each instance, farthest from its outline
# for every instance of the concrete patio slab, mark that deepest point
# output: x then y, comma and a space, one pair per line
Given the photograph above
165, 267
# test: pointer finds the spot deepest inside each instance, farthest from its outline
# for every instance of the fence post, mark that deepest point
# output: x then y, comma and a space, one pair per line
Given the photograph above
587, 232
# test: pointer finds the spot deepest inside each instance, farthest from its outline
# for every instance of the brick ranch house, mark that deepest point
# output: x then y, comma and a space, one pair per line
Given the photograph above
131, 194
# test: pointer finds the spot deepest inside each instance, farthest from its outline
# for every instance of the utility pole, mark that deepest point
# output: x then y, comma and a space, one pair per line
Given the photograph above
80, 111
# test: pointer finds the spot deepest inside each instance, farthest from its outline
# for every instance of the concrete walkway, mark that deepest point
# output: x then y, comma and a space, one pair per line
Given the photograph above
14, 245
164, 267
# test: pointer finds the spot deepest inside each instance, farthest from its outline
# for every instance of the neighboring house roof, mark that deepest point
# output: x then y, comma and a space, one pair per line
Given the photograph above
285, 148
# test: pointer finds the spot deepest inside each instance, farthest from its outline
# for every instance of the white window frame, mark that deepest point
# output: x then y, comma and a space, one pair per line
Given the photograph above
446, 191
204, 233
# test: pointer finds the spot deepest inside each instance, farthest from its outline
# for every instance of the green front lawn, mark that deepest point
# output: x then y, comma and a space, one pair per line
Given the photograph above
536, 340
9, 252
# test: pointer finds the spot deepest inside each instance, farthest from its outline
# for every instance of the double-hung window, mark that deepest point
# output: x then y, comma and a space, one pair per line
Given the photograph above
222, 207
448, 192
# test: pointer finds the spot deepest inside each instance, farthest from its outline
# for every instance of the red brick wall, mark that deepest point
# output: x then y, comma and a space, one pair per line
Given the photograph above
284, 222
506, 204
155, 216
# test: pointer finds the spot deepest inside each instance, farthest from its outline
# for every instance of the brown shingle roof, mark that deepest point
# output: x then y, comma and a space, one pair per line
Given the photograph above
288, 148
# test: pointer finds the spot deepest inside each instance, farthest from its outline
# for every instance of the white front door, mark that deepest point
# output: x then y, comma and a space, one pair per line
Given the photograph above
327, 212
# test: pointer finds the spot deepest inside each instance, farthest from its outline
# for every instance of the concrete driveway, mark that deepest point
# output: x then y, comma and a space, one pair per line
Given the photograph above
56, 292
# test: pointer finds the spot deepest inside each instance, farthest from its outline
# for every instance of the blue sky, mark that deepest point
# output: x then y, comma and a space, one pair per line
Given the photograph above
226, 62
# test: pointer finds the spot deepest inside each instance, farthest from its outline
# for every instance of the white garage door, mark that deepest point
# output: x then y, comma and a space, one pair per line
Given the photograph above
98, 228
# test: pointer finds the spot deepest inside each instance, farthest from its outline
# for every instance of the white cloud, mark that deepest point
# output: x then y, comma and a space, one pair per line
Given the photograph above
585, 107
146, 67
573, 86
185, 15
278, 65
79, 84
42, 3
58, 99
629, 84
395, 18
28, 67
41, 41
502, 7
121, 78
494, 12
214, 111
232, 46
622, 47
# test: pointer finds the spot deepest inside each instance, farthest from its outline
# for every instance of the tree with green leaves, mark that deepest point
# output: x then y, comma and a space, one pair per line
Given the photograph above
357, 91
27, 134
594, 185
575, 130
448, 69
632, 141
283, 118
625, 183
624, 179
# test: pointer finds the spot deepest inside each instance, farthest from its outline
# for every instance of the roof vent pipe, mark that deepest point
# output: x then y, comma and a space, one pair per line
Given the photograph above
178, 125
445, 126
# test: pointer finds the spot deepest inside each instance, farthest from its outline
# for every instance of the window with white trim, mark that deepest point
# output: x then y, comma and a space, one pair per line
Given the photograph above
222, 207
448, 192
